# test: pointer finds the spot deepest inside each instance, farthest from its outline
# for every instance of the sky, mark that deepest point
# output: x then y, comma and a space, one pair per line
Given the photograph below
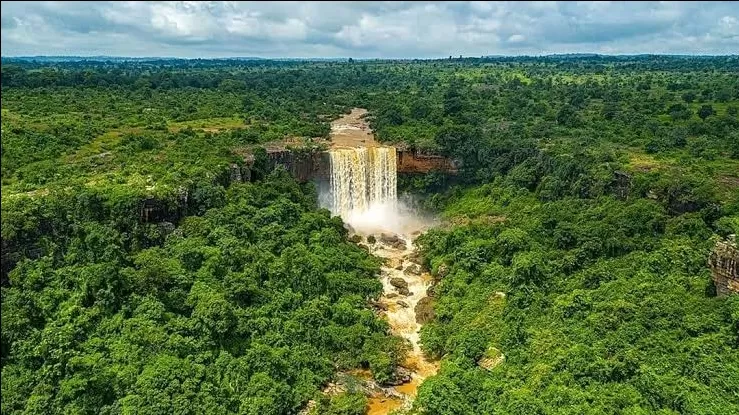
366, 29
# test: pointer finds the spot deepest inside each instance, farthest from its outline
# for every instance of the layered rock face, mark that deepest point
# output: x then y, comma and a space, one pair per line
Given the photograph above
412, 162
723, 262
303, 166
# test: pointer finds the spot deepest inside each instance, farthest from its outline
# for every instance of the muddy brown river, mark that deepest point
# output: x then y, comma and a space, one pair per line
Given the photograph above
401, 315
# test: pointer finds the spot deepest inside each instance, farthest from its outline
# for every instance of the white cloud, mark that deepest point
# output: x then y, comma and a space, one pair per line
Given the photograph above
728, 27
184, 20
366, 29
516, 38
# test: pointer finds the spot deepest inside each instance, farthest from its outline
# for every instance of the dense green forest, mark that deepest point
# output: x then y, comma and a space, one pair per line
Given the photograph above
589, 194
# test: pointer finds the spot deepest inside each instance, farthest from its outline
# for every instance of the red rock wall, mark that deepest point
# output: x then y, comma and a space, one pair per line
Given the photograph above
410, 162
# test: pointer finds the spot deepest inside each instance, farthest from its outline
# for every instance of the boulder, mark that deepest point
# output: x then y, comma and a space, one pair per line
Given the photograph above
166, 228
371, 239
403, 304
388, 238
430, 291
399, 245
355, 239
424, 310
413, 269
491, 358
399, 282
724, 264
442, 271
400, 285
401, 376
235, 173
379, 305
391, 295
415, 258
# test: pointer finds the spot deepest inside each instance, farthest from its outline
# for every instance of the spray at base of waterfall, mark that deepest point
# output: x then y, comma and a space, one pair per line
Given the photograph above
388, 217
362, 190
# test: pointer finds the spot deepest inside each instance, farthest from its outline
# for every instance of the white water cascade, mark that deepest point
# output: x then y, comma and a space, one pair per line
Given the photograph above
363, 185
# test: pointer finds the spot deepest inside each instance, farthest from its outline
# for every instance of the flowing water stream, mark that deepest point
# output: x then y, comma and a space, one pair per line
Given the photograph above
363, 191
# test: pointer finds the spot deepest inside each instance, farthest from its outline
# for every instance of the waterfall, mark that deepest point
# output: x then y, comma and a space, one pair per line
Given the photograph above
362, 178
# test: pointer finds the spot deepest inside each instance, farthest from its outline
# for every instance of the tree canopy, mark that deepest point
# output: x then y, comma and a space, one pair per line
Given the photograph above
142, 274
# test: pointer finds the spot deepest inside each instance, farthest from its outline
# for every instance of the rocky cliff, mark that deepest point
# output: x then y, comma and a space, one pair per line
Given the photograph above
723, 262
303, 165
415, 162
306, 166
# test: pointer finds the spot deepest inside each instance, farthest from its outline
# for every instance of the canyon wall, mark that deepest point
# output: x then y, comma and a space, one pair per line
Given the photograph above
302, 165
723, 262
306, 166
415, 162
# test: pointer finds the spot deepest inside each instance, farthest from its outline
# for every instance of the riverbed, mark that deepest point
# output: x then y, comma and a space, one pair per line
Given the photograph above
401, 263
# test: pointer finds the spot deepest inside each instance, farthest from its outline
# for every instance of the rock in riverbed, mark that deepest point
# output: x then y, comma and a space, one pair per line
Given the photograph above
424, 310
389, 238
379, 305
401, 285
430, 291
399, 282
399, 245
415, 258
401, 376
413, 269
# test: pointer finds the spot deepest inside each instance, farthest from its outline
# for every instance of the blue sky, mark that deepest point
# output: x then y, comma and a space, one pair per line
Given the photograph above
367, 29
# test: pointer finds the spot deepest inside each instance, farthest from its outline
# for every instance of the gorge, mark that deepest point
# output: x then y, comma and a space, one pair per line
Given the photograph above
362, 190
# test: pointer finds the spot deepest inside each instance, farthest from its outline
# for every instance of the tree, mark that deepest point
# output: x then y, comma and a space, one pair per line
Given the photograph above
453, 103
568, 116
705, 111
679, 112
723, 95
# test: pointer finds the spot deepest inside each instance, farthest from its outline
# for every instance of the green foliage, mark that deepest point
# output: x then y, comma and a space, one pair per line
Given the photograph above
246, 309
605, 309
705, 111
343, 404
138, 279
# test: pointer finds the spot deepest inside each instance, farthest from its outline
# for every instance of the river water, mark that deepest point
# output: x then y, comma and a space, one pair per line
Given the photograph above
401, 315
363, 191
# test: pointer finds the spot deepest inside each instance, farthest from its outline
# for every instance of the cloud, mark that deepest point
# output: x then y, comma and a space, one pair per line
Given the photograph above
516, 38
366, 29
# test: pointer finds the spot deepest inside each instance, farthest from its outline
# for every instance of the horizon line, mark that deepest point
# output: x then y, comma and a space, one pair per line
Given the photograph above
581, 54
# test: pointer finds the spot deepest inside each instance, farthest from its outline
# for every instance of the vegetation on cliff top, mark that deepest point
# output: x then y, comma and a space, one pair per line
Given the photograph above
589, 193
